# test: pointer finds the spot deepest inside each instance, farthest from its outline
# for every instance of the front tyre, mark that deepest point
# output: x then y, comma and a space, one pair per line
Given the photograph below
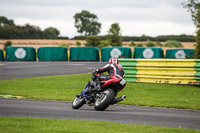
104, 100
78, 102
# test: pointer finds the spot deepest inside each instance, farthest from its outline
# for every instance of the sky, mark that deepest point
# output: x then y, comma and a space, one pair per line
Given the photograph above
135, 17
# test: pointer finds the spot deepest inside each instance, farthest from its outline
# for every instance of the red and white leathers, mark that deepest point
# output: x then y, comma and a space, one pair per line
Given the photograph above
113, 61
114, 71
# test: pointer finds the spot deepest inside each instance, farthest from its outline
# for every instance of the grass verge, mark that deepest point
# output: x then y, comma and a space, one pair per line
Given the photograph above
44, 125
68, 86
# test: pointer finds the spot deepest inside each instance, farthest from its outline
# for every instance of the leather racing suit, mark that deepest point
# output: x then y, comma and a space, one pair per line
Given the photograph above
112, 69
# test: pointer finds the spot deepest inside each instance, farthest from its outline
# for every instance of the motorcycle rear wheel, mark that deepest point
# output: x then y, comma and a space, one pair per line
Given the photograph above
78, 102
105, 99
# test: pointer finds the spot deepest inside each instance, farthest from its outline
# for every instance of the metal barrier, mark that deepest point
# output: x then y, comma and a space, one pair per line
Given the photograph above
170, 71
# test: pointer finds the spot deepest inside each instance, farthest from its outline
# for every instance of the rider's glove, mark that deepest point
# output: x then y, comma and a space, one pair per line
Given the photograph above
94, 72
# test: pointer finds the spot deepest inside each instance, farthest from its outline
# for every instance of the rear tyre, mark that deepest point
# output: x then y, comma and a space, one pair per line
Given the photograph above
78, 102
104, 100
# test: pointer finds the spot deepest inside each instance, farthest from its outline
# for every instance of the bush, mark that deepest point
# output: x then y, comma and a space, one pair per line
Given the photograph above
131, 44
64, 45
159, 44
173, 43
150, 43
78, 44
93, 40
6, 44
139, 45
103, 44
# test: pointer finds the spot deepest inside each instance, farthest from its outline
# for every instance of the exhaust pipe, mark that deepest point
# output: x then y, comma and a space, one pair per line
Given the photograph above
119, 99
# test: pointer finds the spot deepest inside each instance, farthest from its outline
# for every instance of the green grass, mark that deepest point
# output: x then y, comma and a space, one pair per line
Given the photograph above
52, 87
162, 95
42, 125
68, 86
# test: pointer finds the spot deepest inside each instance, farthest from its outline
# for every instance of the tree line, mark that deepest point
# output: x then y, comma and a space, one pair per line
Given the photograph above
181, 38
9, 30
87, 24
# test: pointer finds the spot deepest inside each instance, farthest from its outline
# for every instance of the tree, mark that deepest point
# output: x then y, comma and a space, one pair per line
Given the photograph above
93, 41
4, 20
194, 8
197, 50
114, 29
86, 23
8, 30
114, 36
51, 33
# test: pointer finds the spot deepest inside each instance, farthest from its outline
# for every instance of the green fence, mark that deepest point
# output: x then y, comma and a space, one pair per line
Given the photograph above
115, 52
52, 54
84, 54
148, 52
20, 54
1, 55
180, 53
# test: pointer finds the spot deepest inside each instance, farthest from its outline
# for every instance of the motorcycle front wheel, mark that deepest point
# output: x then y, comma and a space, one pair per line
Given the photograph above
104, 100
78, 102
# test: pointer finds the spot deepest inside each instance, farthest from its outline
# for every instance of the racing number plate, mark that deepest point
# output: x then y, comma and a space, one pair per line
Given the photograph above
122, 82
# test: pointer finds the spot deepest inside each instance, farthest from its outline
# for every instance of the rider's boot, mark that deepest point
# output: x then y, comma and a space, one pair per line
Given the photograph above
89, 102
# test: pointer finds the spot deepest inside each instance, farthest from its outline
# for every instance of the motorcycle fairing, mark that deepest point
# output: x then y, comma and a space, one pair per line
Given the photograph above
117, 83
113, 79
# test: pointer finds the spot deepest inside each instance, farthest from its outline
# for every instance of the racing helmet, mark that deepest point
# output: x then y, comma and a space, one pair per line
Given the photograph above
113, 61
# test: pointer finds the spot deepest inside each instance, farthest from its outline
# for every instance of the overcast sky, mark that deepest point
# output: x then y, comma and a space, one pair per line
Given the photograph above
136, 17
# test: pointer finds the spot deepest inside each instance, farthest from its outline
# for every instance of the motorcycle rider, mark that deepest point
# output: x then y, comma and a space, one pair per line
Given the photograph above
114, 70
102, 96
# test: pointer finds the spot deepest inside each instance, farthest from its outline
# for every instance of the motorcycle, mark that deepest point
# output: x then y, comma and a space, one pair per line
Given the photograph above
102, 98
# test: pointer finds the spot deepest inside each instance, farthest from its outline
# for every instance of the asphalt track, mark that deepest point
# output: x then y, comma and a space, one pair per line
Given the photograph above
116, 113
10, 70
178, 118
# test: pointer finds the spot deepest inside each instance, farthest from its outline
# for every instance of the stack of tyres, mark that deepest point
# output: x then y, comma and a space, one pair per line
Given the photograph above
84, 54
1, 55
20, 54
168, 71
52, 54
180, 53
148, 53
115, 52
